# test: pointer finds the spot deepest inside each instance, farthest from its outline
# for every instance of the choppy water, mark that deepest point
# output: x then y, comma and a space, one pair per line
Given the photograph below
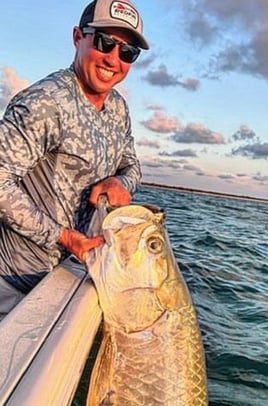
221, 246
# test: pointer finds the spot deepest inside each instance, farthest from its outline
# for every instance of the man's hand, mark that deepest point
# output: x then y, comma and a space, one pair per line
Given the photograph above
78, 244
116, 193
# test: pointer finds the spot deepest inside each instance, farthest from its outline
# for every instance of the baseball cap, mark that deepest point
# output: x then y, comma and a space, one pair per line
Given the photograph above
118, 14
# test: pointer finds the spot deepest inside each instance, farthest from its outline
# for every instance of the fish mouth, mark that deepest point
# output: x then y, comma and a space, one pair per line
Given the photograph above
132, 214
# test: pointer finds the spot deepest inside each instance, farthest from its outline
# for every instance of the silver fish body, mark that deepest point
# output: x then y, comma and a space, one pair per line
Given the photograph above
151, 352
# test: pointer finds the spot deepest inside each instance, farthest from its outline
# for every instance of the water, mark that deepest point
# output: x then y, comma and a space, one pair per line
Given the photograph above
221, 246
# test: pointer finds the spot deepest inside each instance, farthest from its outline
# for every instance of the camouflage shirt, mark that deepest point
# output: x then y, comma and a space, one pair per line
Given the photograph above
54, 146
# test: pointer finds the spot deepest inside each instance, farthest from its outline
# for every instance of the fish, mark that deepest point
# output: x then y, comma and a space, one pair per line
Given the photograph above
151, 353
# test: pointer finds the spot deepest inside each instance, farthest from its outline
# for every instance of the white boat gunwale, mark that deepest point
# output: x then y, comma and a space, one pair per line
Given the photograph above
46, 339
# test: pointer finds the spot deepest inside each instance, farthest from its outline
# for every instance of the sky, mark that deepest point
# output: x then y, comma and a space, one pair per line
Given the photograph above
198, 98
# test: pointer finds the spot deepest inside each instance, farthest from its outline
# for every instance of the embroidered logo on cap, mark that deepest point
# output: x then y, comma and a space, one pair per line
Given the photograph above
124, 12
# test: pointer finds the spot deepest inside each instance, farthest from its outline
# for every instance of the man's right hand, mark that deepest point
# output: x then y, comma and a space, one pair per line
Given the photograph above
116, 193
78, 244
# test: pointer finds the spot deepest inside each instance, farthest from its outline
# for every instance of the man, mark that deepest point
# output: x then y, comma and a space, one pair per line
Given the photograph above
65, 141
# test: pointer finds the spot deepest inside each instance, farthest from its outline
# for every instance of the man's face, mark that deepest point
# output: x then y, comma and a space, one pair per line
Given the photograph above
99, 72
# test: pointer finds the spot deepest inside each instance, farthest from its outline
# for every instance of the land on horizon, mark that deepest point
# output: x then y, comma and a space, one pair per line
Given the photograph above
200, 191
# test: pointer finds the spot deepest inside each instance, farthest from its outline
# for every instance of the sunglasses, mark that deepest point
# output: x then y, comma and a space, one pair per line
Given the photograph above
105, 43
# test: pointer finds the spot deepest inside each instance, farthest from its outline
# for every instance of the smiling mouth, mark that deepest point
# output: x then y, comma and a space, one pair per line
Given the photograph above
106, 73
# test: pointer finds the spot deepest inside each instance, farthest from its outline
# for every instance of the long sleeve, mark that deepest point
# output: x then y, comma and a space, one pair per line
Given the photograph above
54, 146
129, 171
28, 131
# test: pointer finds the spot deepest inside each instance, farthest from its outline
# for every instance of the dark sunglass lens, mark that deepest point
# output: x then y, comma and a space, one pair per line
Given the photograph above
129, 53
103, 43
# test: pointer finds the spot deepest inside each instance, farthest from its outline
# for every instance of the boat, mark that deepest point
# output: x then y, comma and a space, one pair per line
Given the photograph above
46, 339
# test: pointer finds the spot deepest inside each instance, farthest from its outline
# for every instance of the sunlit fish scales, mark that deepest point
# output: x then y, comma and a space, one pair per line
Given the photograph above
151, 352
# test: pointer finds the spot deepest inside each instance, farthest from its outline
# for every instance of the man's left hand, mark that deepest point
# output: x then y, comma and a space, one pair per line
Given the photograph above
116, 193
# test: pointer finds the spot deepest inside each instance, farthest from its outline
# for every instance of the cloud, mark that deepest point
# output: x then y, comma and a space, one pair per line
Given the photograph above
161, 123
179, 153
151, 163
192, 168
260, 178
148, 143
257, 150
201, 173
144, 62
159, 163
259, 47
154, 107
10, 84
227, 176
247, 12
197, 133
200, 29
244, 133
234, 57
189, 84
241, 175
162, 78
236, 32
191, 133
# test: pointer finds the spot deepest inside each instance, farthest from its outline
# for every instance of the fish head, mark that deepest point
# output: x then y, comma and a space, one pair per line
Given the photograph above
134, 271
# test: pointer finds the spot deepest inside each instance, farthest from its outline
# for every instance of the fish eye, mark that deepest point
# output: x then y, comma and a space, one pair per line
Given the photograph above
155, 245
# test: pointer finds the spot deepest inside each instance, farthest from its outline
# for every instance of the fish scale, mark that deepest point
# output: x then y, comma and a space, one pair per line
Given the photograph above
152, 351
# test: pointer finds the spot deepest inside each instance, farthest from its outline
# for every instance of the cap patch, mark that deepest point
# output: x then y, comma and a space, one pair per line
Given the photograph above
124, 12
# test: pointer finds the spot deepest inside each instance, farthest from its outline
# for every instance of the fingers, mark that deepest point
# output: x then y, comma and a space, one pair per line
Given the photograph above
88, 245
78, 244
96, 192
116, 193
118, 197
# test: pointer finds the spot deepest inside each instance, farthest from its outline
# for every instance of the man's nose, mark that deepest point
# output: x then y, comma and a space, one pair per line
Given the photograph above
112, 57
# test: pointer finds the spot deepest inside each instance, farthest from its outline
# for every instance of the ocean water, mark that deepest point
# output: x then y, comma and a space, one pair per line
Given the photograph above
221, 246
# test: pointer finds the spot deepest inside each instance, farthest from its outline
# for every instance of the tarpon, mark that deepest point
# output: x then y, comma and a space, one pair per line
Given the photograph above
152, 352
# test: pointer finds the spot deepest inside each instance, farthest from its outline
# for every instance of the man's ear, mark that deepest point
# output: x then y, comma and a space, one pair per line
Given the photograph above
77, 35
